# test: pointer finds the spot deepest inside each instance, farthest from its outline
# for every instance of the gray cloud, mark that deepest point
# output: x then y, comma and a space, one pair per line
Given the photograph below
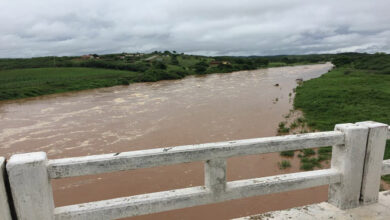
230, 27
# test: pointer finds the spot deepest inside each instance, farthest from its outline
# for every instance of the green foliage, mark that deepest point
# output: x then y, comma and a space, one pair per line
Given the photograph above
294, 125
309, 163
336, 97
324, 153
174, 60
282, 129
201, 67
160, 65
341, 61
284, 164
23, 83
289, 153
308, 152
300, 120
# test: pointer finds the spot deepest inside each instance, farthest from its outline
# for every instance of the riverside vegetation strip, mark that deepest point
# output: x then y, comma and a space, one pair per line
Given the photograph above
357, 89
21, 78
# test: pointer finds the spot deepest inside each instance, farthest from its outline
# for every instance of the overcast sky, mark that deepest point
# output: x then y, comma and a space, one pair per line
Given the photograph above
229, 27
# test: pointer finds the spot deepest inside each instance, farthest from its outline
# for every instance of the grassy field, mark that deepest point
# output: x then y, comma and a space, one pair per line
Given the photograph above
22, 83
346, 94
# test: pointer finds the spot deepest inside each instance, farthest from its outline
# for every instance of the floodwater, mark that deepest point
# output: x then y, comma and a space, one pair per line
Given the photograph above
211, 108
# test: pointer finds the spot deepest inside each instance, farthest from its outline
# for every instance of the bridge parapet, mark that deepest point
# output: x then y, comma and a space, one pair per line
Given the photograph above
353, 178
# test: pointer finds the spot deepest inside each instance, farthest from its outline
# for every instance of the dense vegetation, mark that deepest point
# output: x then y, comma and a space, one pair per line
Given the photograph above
20, 78
357, 89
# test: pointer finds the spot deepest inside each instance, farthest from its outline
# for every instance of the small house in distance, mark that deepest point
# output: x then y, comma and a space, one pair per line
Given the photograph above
90, 57
216, 63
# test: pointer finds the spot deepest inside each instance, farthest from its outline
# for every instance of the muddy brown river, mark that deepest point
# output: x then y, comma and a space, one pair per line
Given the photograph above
216, 107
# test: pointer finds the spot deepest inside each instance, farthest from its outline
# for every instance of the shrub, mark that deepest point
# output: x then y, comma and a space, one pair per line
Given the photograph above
309, 163
284, 164
289, 153
293, 125
325, 150
308, 152
282, 128
300, 120
201, 67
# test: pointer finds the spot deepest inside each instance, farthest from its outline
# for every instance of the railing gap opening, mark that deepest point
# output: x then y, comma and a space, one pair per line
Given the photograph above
135, 182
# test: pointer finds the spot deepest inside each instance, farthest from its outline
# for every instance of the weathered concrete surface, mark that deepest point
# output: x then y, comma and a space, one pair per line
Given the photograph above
4, 208
188, 197
89, 165
375, 149
388, 133
385, 167
349, 160
377, 211
30, 186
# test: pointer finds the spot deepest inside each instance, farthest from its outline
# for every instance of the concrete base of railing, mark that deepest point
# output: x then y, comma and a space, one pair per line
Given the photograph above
353, 178
376, 211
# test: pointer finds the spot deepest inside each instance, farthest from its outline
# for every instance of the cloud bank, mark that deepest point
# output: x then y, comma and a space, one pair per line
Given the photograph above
230, 27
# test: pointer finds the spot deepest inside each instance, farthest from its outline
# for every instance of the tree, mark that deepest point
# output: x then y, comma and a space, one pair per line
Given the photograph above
160, 65
341, 61
174, 60
201, 67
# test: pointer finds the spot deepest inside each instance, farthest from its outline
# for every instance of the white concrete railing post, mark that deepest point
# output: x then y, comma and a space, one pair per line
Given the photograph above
215, 175
349, 160
30, 186
375, 149
5, 213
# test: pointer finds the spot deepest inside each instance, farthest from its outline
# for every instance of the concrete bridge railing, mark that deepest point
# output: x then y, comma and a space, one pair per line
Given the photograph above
354, 177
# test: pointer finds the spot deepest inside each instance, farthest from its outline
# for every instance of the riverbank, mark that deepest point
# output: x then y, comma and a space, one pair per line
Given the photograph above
23, 78
33, 82
345, 94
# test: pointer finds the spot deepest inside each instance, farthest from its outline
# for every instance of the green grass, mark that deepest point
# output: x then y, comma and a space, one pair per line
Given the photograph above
308, 152
324, 153
337, 97
289, 153
309, 163
282, 128
22, 83
284, 164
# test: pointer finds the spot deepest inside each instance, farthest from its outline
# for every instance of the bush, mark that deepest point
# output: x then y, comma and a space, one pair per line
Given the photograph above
289, 153
309, 163
284, 164
293, 125
201, 67
308, 152
325, 150
124, 81
282, 129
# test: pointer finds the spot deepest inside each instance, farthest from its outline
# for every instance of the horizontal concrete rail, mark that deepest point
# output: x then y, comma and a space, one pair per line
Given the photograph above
182, 198
388, 134
78, 166
386, 163
386, 167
